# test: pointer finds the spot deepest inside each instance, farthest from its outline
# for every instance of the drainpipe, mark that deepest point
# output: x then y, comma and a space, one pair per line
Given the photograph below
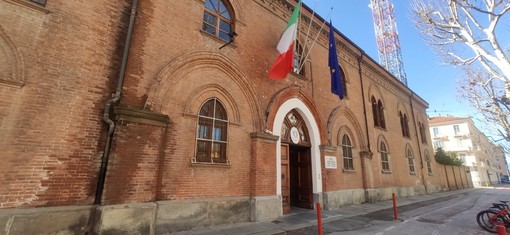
111, 103
418, 141
363, 167
363, 94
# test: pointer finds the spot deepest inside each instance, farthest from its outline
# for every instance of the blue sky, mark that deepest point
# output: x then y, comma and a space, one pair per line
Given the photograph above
427, 76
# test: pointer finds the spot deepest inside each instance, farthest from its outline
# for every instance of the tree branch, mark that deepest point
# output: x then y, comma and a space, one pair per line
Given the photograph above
463, 61
471, 6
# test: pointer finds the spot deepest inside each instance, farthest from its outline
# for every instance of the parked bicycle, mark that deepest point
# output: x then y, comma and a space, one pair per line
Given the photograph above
498, 214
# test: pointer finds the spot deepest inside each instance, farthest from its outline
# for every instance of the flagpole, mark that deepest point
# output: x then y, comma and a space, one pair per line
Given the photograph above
316, 37
299, 18
308, 32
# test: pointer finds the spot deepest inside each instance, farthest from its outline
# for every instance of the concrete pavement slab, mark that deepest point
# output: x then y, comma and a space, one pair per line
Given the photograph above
343, 219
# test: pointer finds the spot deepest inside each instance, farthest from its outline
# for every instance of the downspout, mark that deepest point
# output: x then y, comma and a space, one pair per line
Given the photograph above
111, 103
418, 141
364, 105
369, 153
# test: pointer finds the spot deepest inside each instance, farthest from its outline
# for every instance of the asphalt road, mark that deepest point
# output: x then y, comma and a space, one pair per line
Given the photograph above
449, 216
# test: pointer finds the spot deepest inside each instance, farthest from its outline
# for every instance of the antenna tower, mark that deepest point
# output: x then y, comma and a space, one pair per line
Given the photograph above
388, 44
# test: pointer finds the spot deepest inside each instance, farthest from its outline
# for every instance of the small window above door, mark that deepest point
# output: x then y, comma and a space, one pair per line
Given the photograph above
294, 129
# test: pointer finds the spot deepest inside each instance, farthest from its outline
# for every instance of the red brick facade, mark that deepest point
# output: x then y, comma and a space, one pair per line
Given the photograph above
60, 65
67, 55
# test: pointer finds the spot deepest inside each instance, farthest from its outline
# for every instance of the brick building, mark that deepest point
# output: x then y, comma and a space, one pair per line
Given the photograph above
186, 129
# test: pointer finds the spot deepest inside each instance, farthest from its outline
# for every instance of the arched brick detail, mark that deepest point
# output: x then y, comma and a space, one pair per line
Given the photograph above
382, 138
11, 62
236, 7
354, 129
163, 89
426, 154
374, 90
295, 92
345, 129
408, 147
197, 97
403, 108
238, 11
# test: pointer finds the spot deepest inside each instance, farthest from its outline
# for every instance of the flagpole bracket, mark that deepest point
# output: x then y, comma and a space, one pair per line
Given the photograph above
232, 35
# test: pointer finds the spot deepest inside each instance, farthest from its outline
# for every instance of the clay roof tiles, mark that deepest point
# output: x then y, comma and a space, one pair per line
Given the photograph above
440, 119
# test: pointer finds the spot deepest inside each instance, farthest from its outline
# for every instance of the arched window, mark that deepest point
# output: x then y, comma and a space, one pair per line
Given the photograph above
410, 160
384, 157
423, 133
378, 111
404, 124
298, 68
427, 160
218, 19
294, 129
212, 130
375, 111
347, 153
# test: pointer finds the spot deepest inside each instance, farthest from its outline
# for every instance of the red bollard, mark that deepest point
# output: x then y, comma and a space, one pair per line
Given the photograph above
395, 212
501, 229
319, 218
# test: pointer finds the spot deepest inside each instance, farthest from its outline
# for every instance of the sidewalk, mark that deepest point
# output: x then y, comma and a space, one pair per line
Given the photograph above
302, 218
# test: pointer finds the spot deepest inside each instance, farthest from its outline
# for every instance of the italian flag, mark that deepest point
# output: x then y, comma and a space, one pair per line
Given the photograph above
284, 63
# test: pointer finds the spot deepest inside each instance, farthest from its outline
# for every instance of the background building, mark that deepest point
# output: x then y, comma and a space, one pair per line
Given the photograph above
147, 117
486, 160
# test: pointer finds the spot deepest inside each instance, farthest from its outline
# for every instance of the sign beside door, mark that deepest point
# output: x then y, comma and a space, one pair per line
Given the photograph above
330, 162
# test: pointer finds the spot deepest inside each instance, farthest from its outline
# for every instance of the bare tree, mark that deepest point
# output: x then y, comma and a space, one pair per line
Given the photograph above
465, 32
486, 95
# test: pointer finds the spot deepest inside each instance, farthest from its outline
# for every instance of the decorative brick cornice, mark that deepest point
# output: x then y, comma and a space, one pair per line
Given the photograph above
265, 136
327, 148
366, 154
141, 116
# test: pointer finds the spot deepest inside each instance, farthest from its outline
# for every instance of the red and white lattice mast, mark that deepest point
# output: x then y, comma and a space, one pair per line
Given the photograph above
388, 44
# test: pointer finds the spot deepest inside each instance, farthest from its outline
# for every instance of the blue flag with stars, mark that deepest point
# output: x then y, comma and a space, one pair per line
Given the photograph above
334, 67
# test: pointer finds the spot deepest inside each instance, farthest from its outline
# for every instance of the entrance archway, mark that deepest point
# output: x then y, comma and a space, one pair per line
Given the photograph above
296, 164
296, 155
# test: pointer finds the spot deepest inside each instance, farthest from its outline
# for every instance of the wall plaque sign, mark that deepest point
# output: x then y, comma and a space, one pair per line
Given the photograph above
330, 162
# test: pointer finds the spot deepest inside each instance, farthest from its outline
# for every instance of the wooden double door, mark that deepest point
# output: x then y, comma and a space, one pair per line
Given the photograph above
296, 166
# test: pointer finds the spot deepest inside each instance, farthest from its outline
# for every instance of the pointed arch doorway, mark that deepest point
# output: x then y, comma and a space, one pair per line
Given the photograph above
296, 163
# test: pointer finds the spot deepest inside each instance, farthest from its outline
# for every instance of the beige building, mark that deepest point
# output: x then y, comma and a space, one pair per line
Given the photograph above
486, 160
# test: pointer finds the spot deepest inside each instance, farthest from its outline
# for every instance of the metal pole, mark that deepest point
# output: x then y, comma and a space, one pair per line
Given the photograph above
319, 218
395, 211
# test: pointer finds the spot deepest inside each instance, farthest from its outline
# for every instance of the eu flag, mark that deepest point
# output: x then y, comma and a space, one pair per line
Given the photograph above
334, 67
